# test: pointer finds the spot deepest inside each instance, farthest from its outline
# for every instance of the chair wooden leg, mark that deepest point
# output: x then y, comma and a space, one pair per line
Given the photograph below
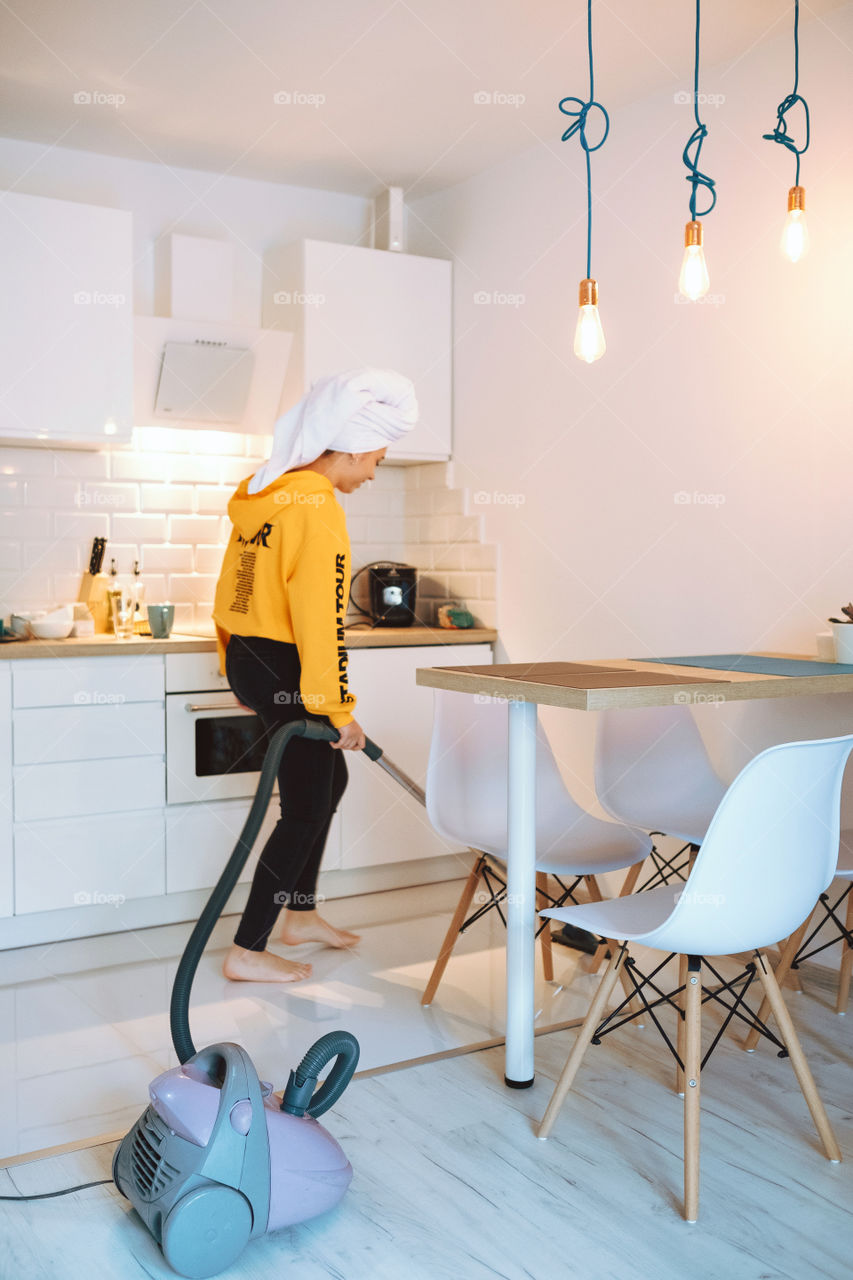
692, 1068
681, 1029
798, 1058
630, 879
846, 969
789, 950
453, 931
587, 1031
634, 1005
545, 935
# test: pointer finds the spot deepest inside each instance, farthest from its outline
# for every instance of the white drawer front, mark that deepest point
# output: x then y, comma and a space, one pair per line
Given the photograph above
200, 839
55, 682
47, 735
89, 861
192, 672
95, 786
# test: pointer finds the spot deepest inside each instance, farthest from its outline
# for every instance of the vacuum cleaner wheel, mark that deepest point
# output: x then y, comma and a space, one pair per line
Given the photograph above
206, 1231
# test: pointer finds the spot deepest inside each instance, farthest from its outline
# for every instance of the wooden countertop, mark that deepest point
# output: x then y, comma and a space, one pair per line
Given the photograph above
182, 642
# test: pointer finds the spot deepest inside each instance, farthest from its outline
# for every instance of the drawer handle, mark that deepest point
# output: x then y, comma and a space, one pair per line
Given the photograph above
216, 706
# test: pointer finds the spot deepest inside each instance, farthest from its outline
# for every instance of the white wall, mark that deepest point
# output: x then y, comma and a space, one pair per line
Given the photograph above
748, 397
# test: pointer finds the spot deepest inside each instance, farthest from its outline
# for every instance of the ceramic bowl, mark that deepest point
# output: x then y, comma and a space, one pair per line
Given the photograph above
51, 628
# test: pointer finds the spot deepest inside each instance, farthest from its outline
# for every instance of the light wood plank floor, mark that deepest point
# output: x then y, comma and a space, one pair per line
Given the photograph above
450, 1180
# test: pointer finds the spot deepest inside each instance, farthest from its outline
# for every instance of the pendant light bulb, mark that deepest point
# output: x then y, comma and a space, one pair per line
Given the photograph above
589, 335
795, 234
693, 281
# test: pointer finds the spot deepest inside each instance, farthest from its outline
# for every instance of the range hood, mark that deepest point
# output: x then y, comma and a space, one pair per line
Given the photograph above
193, 372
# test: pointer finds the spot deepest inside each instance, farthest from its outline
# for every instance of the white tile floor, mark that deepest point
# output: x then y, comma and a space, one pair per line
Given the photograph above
85, 1023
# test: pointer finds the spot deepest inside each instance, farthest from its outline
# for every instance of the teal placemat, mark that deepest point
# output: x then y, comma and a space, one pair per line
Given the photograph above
755, 665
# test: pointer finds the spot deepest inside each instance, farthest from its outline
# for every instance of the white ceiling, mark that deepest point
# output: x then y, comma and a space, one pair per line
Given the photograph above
398, 78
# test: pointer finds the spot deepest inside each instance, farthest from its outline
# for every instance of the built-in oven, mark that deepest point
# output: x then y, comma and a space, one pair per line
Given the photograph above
214, 747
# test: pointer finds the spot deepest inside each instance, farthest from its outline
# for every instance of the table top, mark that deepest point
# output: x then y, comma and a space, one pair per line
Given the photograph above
625, 683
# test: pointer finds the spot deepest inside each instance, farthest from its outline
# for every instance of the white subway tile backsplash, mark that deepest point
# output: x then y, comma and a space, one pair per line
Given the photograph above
168, 497
52, 557
138, 528
85, 525
175, 484
197, 587
165, 558
213, 501
27, 462
79, 463
193, 529
233, 470
208, 560
10, 554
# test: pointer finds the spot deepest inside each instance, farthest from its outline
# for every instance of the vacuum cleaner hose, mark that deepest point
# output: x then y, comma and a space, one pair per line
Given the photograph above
299, 1096
213, 908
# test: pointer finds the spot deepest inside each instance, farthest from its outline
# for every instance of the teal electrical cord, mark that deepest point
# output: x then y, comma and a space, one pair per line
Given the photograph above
695, 177
780, 133
579, 127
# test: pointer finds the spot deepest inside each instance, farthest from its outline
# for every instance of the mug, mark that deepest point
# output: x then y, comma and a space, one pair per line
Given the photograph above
160, 620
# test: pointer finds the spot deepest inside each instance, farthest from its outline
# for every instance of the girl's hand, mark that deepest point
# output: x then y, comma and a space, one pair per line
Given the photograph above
352, 737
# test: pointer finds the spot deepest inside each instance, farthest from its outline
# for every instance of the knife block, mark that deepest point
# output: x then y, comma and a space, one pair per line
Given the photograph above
93, 592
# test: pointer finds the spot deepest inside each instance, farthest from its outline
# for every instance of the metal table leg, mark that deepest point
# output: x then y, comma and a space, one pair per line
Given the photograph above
521, 894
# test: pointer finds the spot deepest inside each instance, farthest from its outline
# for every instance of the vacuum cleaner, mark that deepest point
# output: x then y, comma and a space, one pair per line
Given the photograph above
215, 1160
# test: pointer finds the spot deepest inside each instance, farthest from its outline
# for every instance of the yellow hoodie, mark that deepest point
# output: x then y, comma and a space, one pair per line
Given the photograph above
286, 575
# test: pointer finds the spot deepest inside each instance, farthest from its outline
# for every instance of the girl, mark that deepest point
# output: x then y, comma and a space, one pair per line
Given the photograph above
279, 611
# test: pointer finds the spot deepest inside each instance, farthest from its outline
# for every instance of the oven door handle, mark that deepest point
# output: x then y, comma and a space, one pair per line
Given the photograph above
217, 706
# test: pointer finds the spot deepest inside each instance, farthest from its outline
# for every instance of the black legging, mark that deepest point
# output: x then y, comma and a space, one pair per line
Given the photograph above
312, 777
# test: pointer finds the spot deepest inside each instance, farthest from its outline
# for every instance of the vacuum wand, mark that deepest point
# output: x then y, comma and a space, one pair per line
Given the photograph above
182, 986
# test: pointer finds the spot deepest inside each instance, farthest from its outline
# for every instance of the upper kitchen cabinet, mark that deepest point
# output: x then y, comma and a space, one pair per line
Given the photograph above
348, 306
66, 360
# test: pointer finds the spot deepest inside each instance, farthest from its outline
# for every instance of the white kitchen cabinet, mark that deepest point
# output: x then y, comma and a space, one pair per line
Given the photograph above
66, 307
201, 837
349, 306
50, 735
381, 823
6, 855
87, 682
91, 861
88, 786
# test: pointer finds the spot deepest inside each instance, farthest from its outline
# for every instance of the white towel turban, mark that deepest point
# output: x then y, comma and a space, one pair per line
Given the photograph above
355, 412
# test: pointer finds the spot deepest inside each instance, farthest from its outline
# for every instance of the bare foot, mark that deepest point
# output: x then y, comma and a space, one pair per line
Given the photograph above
262, 966
308, 926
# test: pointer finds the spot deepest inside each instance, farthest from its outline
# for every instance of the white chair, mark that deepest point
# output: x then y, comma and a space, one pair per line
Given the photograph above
653, 772
798, 947
768, 854
466, 803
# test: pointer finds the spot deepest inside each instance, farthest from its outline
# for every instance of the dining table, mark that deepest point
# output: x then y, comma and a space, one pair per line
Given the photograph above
597, 686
